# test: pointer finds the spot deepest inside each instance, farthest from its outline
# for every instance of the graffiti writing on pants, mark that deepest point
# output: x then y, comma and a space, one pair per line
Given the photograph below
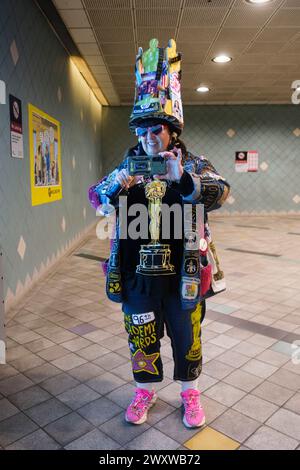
127, 322
143, 335
140, 336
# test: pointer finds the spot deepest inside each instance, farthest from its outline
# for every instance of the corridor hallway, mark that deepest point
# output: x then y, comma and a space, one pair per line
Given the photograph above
68, 377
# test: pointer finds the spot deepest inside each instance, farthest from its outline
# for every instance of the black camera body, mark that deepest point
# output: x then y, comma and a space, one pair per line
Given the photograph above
146, 165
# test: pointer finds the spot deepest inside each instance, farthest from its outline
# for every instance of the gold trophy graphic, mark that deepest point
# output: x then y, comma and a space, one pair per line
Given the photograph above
155, 257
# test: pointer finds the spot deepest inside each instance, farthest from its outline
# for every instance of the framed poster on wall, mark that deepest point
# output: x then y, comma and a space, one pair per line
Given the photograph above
45, 157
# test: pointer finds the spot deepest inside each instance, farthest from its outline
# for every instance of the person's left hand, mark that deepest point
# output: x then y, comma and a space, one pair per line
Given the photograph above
174, 165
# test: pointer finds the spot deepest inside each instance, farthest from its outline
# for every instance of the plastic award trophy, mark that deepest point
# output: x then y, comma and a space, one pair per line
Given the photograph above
155, 257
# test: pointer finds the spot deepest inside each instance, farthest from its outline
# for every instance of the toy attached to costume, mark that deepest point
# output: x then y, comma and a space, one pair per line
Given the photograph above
157, 90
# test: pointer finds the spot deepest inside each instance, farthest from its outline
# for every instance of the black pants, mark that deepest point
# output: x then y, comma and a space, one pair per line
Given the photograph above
145, 318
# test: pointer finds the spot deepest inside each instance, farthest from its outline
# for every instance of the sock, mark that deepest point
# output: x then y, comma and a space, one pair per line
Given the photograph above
145, 386
191, 384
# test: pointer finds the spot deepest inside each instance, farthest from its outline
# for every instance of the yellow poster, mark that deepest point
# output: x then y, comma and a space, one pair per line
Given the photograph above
45, 157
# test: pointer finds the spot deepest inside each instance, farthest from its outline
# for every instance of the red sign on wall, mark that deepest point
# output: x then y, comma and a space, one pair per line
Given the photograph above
246, 160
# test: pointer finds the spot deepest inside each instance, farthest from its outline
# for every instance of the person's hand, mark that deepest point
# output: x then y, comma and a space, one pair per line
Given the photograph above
174, 165
127, 181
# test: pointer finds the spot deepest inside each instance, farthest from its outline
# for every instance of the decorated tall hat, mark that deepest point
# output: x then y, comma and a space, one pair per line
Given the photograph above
157, 87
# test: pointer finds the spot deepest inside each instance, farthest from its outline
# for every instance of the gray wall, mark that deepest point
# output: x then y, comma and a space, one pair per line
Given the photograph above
42, 70
2, 332
268, 129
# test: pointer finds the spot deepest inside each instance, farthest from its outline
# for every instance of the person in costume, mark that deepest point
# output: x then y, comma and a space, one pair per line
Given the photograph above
176, 302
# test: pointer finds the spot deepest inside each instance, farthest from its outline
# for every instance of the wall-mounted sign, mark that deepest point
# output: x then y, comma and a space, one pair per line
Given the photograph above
45, 157
246, 160
16, 128
2, 92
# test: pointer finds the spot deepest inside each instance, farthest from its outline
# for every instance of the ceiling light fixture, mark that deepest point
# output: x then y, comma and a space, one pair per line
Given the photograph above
258, 2
222, 59
202, 89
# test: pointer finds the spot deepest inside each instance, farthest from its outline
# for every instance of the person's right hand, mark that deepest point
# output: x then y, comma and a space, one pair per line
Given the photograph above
127, 181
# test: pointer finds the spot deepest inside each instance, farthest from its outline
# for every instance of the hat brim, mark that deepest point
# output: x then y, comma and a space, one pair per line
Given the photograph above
156, 118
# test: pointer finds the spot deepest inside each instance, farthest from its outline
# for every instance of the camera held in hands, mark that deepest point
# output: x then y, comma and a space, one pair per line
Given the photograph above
140, 165
146, 165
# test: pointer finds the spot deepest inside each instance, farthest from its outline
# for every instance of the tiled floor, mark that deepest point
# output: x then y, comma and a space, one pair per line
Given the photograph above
68, 377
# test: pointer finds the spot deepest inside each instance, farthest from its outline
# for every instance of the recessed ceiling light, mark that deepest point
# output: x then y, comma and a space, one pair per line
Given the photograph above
258, 2
203, 89
222, 59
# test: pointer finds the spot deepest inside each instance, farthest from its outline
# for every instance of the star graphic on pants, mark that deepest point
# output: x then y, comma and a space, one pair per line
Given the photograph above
143, 362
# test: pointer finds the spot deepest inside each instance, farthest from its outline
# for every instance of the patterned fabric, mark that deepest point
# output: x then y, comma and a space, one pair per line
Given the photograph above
145, 318
211, 190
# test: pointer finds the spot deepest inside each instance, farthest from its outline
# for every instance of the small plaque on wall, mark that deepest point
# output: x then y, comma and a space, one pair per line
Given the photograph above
2, 92
16, 128
246, 161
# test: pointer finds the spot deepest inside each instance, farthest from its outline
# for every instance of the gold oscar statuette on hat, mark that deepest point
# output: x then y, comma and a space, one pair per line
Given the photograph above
155, 257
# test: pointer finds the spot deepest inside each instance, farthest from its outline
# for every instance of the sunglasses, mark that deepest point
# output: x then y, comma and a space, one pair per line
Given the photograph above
143, 131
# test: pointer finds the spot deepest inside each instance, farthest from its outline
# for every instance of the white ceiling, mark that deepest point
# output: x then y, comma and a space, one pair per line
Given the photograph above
263, 41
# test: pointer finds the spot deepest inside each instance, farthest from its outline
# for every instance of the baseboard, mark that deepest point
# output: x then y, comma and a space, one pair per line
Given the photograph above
13, 302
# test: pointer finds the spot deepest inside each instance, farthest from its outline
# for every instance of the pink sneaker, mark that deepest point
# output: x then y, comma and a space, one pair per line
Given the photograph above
194, 416
137, 411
